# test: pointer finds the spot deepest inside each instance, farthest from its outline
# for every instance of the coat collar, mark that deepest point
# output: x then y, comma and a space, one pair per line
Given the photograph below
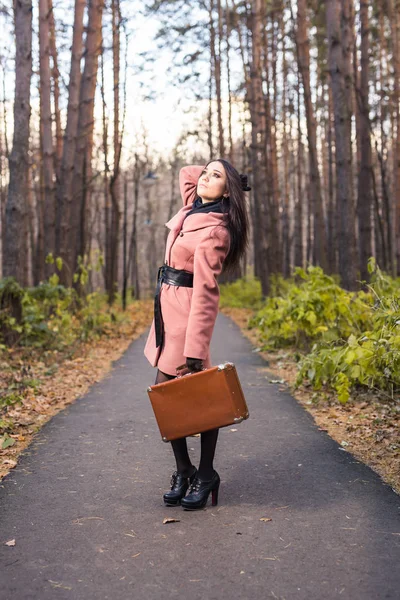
194, 221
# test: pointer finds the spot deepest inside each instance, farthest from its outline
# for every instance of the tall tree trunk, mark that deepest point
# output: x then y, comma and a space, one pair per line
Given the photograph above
381, 150
64, 187
342, 119
3, 175
228, 76
218, 61
212, 78
15, 257
303, 57
55, 73
261, 212
332, 221
125, 245
106, 187
393, 8
114, 183
83, 154
285, 152
46, 137
364, 179
298, 209
133, 264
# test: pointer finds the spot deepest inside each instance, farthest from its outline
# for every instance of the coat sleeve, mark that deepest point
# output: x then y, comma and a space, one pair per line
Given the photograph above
208, 259
188, 178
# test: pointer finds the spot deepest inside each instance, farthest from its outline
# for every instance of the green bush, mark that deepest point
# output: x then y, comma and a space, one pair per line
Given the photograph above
243, 293
54, 317
312, 307
371, 359
348, 339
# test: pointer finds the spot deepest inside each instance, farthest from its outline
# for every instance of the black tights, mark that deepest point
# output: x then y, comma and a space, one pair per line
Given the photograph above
208, 445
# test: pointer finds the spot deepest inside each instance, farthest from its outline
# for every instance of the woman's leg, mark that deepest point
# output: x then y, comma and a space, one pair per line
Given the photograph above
183, 462
208, 445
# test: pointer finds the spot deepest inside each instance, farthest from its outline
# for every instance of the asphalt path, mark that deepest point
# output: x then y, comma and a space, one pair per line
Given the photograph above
85, 508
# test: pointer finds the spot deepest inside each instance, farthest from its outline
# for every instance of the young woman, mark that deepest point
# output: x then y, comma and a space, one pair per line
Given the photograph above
208, 235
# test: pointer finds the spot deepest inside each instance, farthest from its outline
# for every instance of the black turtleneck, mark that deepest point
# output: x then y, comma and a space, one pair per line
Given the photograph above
215, 206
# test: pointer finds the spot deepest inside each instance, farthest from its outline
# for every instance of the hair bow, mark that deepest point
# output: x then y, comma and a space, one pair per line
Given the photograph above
243, 181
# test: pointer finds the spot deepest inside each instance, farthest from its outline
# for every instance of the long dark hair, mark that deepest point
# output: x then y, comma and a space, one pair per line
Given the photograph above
236, 216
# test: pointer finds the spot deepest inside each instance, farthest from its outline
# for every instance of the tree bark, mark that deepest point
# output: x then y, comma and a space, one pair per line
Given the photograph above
55, 74
228, 76
342, 120
218, 61
261, 209
303, 57
298, 208
212, 78
15, 257
114, 183
64, 187
83, 153
364, 178
393, 7
46, 136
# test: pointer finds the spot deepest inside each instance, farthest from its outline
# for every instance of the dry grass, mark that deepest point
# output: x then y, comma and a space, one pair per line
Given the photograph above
368, 426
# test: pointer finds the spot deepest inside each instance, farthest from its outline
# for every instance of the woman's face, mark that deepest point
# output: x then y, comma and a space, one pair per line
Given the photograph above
212, 182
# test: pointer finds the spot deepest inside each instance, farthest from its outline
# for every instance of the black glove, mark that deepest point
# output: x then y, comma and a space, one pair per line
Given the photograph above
194, 364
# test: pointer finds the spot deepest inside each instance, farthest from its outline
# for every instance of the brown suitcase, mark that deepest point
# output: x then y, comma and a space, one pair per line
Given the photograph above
198, 402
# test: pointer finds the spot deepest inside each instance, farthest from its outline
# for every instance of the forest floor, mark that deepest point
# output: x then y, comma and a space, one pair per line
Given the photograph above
39, 384
368, 426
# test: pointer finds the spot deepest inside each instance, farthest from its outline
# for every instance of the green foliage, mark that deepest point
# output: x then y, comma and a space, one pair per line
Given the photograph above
347, 339
53, 316
371, 360
243, 293
310, 307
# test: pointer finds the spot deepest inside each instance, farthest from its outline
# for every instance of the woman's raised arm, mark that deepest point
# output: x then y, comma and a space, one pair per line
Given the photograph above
188, 178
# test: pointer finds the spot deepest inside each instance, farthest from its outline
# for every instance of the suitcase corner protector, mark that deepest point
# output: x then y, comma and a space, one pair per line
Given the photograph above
226, 365
149, 389
164, 439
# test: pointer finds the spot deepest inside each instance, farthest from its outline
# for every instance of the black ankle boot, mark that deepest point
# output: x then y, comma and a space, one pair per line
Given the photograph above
199, 492
179, 487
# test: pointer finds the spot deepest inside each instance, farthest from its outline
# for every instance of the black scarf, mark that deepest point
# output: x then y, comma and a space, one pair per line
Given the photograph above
198, 207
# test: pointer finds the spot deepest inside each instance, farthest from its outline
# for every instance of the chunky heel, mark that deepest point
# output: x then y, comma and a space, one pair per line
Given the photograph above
199, 492
214, 496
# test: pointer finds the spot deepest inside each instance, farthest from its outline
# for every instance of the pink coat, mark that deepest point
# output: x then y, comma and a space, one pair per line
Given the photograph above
198, 244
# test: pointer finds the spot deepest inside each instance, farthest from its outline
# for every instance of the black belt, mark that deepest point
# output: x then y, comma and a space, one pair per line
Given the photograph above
169, 276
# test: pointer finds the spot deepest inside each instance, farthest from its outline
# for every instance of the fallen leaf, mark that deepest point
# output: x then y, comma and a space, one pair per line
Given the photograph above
135, 555
10, 543
265, 519
6, 442
167, 520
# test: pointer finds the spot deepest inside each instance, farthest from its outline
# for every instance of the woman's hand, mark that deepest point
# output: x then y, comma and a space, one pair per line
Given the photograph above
194, 364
